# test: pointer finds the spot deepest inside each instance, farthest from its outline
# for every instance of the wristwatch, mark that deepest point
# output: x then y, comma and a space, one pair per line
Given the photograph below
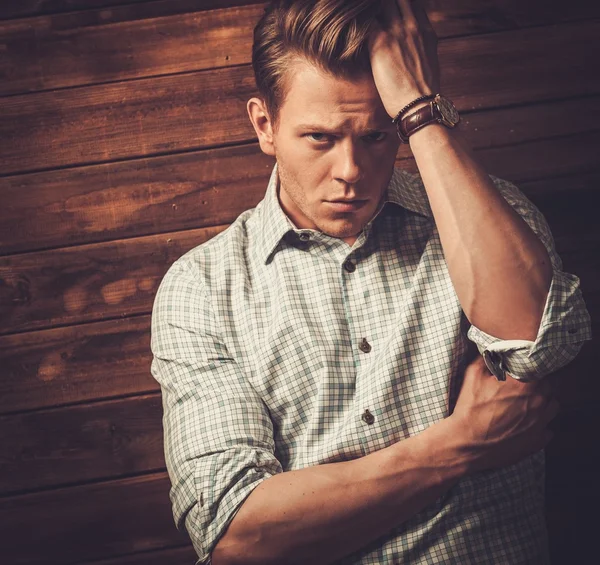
440, 110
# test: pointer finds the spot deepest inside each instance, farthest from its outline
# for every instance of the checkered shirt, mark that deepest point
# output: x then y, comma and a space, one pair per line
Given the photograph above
271, 343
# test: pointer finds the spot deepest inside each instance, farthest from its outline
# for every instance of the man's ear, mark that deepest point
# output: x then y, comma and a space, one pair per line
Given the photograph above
257, 112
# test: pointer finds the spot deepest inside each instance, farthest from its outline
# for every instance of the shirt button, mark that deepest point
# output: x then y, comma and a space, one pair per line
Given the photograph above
304, 236
367, 417
349, 266
365, 346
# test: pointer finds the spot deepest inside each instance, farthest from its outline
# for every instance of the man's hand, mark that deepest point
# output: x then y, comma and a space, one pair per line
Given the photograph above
502, 421
403, 53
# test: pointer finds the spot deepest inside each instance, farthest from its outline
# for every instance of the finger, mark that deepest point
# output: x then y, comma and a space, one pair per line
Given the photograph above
390, 14
406, 11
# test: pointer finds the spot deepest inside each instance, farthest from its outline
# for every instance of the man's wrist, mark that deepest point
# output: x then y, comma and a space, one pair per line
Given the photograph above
438, 451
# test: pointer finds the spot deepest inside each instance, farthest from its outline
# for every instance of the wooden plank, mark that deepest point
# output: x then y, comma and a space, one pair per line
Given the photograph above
87, 283
150, 9
184, 112
177, 556
133, 198
104, 440
112, 45
129, 199
155, 38
96, 521
75, 364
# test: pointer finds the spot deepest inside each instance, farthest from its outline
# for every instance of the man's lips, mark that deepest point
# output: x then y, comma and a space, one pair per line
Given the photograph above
345, 205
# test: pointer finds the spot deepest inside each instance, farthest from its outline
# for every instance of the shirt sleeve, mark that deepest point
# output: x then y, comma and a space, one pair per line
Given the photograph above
218, 436
565, 323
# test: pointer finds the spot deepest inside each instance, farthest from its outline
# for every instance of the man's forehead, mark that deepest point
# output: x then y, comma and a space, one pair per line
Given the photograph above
315, 96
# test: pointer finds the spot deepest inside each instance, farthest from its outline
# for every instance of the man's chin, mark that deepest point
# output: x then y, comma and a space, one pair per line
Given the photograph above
341, 230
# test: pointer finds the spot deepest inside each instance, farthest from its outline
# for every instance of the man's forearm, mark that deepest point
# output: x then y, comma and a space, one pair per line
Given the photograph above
500, 269
319, 514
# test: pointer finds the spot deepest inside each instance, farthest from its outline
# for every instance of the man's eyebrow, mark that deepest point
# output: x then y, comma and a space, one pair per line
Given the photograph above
324, 129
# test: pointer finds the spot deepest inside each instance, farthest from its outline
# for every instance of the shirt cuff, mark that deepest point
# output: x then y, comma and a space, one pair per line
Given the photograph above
565, 325
223, 481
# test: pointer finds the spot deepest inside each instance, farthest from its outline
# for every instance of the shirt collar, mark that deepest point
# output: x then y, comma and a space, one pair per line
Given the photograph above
404, 189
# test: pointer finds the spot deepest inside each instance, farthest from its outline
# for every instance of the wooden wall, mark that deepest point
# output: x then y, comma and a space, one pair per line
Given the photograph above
124, 142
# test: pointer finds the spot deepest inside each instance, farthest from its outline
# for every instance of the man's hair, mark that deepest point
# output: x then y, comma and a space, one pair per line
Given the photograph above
330, 34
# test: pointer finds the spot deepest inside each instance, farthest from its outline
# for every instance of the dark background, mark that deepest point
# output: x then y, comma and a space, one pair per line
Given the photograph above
124, 142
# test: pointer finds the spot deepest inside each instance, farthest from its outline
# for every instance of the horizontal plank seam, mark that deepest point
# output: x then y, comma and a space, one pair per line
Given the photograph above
118, 5
242, 143
519, 28
121, 81
77, 324
117, 478
99, 401
126, 238
153, 552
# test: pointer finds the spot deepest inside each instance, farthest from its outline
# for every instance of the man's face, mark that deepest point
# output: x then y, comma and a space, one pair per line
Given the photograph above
334, 141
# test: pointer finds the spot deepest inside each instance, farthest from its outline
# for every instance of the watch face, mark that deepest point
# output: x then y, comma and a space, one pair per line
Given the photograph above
448, 110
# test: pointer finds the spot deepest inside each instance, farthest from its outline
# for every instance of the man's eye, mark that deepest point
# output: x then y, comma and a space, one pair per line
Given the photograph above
375, 136
319, 137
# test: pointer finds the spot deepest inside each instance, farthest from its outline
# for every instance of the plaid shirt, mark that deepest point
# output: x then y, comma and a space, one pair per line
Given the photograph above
277, 348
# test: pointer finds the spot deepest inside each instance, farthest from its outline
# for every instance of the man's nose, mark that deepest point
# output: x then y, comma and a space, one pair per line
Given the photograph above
348, 167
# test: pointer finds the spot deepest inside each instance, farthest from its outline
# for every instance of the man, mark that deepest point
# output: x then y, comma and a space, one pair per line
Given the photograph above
319, 401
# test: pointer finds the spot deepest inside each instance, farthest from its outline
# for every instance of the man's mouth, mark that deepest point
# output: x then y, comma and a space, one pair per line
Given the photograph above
344, 205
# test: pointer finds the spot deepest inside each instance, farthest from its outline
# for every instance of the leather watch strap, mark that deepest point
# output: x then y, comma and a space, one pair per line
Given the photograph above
417, 120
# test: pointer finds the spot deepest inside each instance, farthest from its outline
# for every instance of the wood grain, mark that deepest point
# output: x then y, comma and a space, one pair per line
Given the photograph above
156, 38
184, 112
143, 7
115, 45
176, 556
129, 199
97, 521
87, 283
102, 440
212, 187
75, 364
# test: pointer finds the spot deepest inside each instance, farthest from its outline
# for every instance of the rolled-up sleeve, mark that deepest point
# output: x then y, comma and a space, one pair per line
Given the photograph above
565, 323
218, 436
